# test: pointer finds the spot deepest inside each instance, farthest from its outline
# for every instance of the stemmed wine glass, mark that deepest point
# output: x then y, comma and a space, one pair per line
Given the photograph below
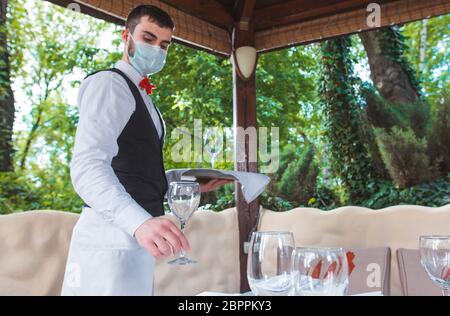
213, 144
183, 198
320, 272
435, 259
269, 263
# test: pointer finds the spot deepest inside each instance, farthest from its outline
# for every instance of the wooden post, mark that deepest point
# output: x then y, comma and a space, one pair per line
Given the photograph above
244, 112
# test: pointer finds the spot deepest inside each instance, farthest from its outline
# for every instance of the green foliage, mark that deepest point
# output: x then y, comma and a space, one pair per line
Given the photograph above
43, 62
225, 198
48, 189
344, 119
405, 156
383, 114
6, 97
197, 85
298, 180
394, 46
16, 193
193, 86
6, 142
414, 146
379, 112
439, 138
275, 203
324, 198
430, 55
319, 128
287, 96
17, 26
433, 194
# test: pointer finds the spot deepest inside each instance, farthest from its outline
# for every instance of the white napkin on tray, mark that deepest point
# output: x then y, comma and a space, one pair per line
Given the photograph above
253, 184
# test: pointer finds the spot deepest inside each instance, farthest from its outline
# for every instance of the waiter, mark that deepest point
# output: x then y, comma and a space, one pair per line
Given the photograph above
118, 170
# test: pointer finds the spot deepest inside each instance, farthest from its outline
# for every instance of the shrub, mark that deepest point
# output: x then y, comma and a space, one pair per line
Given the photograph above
298, 180
439, 139
275, 203
433, 194
405, 156
383, 114
325, 199
16, 194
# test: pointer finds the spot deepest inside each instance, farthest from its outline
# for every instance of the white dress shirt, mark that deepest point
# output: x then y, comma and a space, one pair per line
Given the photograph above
105, 105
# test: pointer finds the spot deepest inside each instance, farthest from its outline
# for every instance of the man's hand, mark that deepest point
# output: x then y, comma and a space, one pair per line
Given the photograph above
207, 185
161, 238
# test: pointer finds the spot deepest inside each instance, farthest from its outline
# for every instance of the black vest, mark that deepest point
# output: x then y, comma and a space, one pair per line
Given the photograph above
139, 163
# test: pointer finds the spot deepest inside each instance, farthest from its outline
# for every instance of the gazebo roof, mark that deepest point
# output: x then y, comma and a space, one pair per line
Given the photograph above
208, 24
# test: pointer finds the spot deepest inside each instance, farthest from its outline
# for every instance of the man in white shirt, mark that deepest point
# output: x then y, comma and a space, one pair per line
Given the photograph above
118, 170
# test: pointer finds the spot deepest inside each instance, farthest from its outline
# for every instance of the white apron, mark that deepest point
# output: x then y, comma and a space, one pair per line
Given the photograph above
105, 260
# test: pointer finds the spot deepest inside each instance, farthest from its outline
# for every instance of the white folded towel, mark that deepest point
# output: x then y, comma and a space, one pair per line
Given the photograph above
253, 184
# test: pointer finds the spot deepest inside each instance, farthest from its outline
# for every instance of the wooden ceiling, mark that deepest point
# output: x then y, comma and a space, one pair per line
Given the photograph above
265, 13
208, 24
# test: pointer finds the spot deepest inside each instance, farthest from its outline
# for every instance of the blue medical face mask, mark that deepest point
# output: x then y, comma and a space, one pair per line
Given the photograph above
147, 59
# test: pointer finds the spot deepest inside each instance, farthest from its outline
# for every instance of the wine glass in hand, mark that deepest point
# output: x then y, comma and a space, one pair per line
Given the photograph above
183, 198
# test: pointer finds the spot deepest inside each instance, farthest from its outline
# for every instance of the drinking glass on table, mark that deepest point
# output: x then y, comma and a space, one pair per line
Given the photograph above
269, 263
435, 259
320, 272
183, 198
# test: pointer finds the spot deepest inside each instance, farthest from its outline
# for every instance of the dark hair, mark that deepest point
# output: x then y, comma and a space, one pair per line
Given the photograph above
154, 14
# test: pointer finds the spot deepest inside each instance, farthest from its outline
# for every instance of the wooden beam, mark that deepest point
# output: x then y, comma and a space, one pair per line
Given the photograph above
247, 14
293, 11
247, 10
90, 11
189, 31
243, 9
244, 114
392, 13
210, 11
244, 13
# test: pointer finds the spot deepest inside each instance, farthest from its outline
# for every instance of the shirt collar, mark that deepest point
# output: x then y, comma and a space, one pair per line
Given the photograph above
130, 71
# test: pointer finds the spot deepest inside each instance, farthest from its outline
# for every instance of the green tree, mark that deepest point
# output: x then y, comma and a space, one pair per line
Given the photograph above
7, 108
391, 73
59, 51
429, 55
344, 118
45, 65
399, 109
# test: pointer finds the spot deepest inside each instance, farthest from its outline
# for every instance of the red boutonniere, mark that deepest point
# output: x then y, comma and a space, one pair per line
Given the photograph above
332, 267
147, 86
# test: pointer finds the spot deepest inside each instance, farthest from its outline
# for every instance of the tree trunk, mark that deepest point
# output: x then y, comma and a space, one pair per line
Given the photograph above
31, 137
6, 98
423, 44
390, 71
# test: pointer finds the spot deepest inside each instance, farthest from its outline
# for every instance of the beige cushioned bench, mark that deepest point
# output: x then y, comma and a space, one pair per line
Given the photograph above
358, 227
33, 245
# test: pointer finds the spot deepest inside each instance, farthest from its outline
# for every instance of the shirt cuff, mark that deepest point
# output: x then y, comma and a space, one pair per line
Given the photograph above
131, 217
